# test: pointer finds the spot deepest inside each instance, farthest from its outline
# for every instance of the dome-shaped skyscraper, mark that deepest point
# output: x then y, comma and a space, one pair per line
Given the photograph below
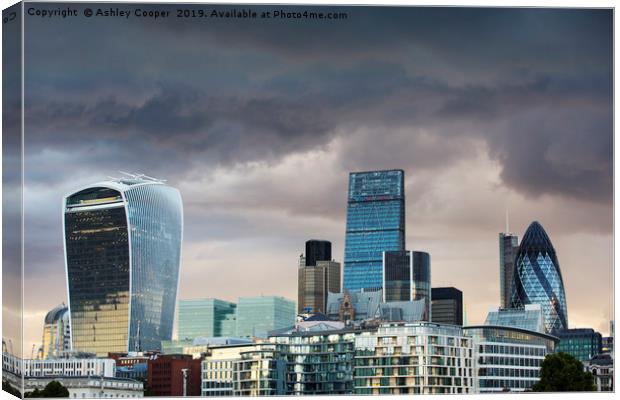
537, 278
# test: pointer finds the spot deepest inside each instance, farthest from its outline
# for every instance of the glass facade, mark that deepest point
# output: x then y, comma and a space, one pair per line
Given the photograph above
407, 277
205, 317
508, 359
318, 250
447, 306
375, 223
123, 249
581, 343
508, 247
317, 363
530, 318
256, 316
537, 278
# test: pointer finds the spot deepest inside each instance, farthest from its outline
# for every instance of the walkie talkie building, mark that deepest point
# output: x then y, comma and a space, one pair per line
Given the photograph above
122, 257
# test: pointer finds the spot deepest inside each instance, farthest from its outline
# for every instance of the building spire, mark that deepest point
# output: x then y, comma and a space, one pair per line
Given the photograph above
507, 222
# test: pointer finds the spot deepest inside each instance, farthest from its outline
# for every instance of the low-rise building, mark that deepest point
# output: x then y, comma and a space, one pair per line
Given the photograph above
105, 367
80, 387
508, 358
530, 317
581, 343
602, 368
174, 375
417, 358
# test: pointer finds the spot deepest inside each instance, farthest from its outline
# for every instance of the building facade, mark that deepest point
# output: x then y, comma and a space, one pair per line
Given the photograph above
91, 387
538, 279
217, 368
447, 306
602, 368
174, 375
581, 343
419, 358
317, 363
122, 257
206, 317
530, 317
407, 277
256, 316
259, 372
508, 358
375, 223
27, 368
508, 247
318, 250
56, 333
314, 283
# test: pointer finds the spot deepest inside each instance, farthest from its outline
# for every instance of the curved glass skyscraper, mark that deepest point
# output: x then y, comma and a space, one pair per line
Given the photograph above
537, 278
122, 258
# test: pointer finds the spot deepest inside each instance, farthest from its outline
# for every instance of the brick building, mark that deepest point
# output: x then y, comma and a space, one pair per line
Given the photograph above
165, 375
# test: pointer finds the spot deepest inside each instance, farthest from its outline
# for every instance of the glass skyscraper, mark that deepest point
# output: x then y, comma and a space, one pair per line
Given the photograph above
206, 317
375, 223
537, 278
508, 247
122, 257
407, 277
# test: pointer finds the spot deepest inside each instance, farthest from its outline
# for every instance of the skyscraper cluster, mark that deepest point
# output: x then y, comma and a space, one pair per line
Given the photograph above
375, 326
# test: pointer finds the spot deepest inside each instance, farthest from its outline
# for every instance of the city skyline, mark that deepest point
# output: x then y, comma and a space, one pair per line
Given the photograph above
259, 137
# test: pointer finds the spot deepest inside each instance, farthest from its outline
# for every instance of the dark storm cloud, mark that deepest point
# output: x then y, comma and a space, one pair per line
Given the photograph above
259, 122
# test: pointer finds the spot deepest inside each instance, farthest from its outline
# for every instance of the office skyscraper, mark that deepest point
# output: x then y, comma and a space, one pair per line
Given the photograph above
122, 255
537, 278
508, 247
407, 277
206, 318
256, 316
375, 223
447, 306
317, 277
318, 250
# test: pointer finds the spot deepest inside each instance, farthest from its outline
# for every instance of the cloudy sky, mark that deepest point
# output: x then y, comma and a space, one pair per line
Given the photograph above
258, 124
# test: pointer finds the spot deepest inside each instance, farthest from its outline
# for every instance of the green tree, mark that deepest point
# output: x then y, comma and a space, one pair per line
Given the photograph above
52, 389
561, 372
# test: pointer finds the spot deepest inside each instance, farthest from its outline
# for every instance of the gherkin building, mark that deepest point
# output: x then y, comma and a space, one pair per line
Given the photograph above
537, 278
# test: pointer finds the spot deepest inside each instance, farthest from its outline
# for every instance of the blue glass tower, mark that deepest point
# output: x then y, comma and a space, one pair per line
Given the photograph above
122, 258
375, 223
537, 278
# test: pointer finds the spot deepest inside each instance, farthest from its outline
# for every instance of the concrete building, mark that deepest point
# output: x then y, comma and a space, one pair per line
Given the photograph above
447, 306
174, 375
508, 358
419, 358
316, 278
217, 368
91, 387
105, 367
602, 368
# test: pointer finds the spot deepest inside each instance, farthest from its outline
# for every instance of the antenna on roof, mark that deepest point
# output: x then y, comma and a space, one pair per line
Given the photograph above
507, 222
